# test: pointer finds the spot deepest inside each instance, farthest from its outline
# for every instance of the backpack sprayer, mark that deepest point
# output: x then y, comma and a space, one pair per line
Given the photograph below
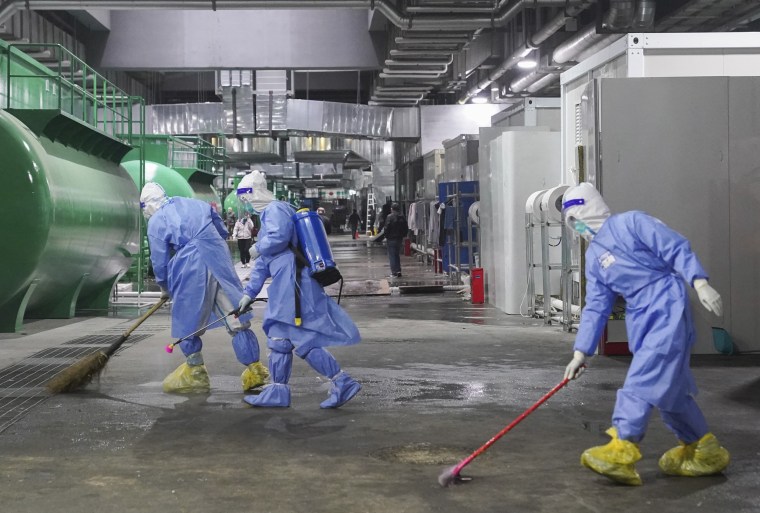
314, 253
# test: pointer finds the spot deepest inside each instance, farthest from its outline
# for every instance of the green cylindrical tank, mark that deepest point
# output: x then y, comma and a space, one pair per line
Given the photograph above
206, 192
70, 226
172, 182
232, 201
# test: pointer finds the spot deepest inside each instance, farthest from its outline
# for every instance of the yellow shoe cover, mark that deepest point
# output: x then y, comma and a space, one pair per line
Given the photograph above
188, 379
254, 376
614, 460
702, 458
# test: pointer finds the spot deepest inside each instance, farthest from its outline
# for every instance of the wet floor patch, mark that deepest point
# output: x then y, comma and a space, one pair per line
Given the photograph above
421, 454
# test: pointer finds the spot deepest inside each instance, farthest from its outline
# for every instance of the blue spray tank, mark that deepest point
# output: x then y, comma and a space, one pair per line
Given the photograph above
315, 248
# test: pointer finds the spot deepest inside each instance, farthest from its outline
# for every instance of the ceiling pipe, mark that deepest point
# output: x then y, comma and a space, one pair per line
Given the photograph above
576, 44
400, 96
536, 39
542, 82
536, 81
409, 75
427, 62
500, 16
418, 53
524, 81
578, 48
415, 71
620, 14
432, 9
451, 47
644, 16
421, 89
431, 40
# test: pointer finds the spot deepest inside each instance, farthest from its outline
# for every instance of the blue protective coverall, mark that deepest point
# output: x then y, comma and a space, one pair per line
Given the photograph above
324, 323
192, 261
641, 259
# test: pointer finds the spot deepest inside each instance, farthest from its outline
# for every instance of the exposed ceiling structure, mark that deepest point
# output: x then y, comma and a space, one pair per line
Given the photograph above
452, 51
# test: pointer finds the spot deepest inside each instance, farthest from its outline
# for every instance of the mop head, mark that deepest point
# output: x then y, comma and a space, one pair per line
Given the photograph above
451, 476
78, 375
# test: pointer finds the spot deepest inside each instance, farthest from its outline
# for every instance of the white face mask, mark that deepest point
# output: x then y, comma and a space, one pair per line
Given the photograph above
259, 205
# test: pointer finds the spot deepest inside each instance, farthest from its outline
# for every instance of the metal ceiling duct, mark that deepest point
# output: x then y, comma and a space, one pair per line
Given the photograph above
542, 82
536, 39
416, 71
497, 17
425, 62
576, 44
644, 15
587, 42
620, 15
588, 36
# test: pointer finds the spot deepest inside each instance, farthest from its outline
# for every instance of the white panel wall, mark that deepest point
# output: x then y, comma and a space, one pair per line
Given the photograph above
442, 122
716, 64
522, 160
656, 55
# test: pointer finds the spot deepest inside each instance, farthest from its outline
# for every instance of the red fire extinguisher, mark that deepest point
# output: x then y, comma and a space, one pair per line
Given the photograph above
407, 247
477, 286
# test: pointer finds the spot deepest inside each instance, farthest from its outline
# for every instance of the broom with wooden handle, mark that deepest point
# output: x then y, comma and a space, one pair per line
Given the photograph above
83, 371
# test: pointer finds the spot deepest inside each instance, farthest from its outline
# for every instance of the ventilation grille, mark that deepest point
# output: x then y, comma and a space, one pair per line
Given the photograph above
22, 385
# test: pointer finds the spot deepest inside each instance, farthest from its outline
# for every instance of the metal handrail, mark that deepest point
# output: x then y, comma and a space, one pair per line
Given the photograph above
104, 106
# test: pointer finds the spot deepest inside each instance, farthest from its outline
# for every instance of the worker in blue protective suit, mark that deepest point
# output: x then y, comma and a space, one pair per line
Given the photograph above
641, 259
323, 322
192, 265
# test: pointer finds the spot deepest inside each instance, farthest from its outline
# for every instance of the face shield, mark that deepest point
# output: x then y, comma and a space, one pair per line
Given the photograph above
584, 209
152, 198
252, 190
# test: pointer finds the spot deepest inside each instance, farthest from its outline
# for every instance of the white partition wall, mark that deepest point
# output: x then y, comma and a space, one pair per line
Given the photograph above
670, 125
708, 54
522, 160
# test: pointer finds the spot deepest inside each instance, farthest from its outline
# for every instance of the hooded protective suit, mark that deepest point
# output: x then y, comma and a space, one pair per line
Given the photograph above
639, 258
324, 322
191, 260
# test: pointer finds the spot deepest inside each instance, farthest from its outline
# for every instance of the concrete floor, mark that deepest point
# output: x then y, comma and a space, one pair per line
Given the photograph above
440, 377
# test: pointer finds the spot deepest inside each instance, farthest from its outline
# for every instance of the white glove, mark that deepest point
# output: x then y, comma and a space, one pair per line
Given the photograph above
244, 302
708, 296
254, 252
164, 293
576, 365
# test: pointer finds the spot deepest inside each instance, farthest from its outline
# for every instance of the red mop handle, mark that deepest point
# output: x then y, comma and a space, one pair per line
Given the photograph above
512, 424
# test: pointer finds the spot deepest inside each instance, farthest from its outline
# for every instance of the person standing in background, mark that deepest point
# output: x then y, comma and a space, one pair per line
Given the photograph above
395, 229
325, 220
353, 221
230, 220
243, 233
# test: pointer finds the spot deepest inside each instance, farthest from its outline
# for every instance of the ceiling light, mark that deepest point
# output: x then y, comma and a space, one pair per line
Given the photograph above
527, 64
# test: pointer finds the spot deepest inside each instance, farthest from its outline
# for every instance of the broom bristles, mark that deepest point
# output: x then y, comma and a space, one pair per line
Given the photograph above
447, 477
79, 374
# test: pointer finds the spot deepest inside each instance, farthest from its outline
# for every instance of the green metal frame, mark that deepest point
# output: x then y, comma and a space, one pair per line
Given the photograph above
69, 87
